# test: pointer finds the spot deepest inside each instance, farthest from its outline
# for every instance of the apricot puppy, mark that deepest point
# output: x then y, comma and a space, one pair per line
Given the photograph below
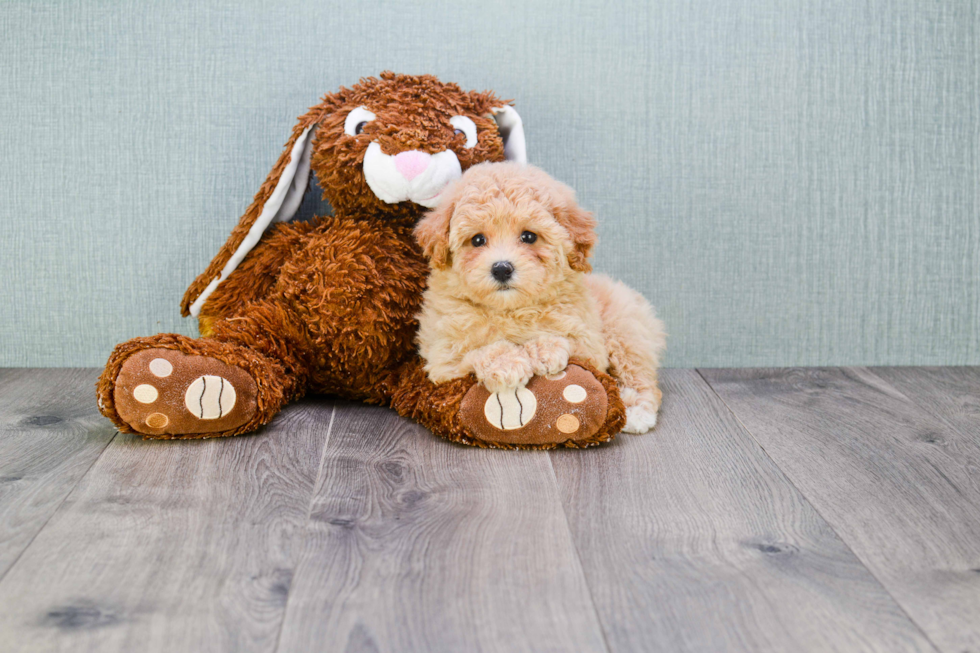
510, 294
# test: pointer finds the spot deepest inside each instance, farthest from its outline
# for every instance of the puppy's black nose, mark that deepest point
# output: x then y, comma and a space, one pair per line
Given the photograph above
502, 271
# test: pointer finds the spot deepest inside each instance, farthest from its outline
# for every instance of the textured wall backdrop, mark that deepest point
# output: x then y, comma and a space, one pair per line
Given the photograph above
789, 181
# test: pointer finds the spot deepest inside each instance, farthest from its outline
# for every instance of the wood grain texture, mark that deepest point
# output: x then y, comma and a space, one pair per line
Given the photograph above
951, 394
171, 546
50, 434
899, 484
420, 545
379, 536
692, 540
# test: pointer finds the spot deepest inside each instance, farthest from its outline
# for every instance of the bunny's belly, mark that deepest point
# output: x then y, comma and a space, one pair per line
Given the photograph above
356, 288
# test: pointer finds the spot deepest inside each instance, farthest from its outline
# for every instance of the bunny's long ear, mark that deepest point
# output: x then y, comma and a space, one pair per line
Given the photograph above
278, 200
511, 129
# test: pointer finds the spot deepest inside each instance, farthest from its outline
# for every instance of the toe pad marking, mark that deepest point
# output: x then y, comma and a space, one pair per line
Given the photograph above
567, 423
210, 397
574, 394
161, 367
510, 409
145, 393
157, 420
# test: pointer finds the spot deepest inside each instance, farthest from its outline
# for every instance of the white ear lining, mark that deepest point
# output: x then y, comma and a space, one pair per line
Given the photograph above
512, 131
281, 206
301, 182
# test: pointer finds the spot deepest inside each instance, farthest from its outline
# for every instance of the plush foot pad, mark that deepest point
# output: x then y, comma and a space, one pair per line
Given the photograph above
570, 405
162, 391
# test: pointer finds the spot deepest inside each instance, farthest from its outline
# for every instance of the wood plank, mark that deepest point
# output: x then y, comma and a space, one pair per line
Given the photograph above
423, 545
172, 546
50, 434
951, 394
692, 540
899, 485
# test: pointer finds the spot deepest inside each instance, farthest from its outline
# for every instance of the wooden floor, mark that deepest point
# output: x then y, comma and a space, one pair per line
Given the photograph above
771, 510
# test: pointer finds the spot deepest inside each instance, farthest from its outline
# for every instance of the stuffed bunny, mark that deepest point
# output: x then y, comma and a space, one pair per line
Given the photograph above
329, 305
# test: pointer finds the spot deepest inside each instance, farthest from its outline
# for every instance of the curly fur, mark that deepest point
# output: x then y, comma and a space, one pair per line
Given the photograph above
550, 309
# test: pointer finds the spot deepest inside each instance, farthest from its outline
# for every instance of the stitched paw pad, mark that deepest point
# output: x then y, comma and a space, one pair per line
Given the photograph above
510, 409
570, 405
165, 391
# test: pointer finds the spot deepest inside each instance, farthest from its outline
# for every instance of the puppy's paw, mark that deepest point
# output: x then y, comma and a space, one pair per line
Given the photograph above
548, 354
500, 366
640, 419
506, 372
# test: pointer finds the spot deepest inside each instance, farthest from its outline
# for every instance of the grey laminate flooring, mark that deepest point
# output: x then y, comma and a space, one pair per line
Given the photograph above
833, 509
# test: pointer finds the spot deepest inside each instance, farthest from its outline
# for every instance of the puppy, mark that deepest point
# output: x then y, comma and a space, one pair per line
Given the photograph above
510, 294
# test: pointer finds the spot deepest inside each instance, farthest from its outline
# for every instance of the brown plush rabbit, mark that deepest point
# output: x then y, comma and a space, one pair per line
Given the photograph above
329, 306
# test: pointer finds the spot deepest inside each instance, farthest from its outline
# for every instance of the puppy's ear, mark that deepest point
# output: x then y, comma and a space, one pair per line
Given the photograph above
432, 233
580, 225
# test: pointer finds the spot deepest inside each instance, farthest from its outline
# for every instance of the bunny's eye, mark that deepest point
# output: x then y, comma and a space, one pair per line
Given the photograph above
478, 240
528, 237
465, 126
356, 120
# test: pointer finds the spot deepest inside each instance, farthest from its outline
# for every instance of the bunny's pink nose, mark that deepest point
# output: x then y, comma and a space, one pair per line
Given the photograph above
412, 163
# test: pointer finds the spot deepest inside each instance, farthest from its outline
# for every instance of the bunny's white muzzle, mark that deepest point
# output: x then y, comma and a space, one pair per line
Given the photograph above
412, 176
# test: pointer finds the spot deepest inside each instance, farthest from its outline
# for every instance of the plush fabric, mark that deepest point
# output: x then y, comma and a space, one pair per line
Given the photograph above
560, 406
261, 369
329, 306
439, 408
390, 181
512, 128
279, 207
168, 391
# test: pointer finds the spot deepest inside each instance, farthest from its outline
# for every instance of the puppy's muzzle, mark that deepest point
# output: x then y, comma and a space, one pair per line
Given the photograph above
502, 271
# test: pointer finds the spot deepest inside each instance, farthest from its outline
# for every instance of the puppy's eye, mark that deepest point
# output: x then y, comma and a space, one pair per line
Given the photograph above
478, 240
360, 127
528, 237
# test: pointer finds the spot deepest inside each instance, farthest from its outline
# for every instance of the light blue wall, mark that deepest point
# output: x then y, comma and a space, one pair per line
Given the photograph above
791, 182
